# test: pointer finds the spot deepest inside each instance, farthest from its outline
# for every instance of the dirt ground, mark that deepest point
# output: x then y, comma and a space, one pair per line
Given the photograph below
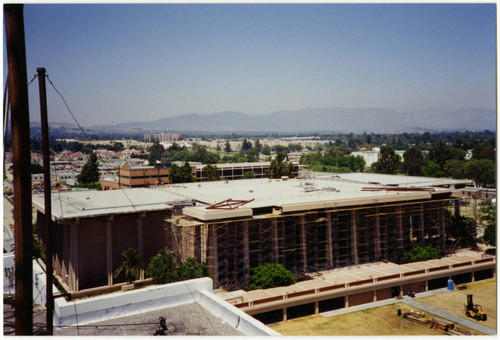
384, 320
453, 302
376, 321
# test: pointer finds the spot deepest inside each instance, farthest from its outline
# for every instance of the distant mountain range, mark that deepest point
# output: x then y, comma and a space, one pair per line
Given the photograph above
338, 120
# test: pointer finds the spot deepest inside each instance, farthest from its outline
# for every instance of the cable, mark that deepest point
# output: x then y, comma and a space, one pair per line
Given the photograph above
86, 136
206, 316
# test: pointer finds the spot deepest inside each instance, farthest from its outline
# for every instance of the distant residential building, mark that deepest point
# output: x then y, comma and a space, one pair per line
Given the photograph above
138, 176
162, 137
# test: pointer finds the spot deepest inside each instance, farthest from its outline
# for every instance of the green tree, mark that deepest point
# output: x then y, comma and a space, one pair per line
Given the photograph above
248, 175
388, 161
482, 172
488, 214
211, 172
131, 265
460, 230
413, 160
454, 168
252, 155
280, 167
420, 253
163, 267
266, 150
155, 153
192, 270
257, 145
245, 145
186, 173
227, 147
432, 169
270, 275
90, 171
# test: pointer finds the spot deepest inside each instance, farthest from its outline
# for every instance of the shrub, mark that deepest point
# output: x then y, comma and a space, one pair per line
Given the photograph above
420, 253
270, 275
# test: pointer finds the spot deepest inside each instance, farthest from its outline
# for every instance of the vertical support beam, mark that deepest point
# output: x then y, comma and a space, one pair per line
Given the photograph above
47, 200
316, 307
421, 230
346, 300
442, 237
374, 295
303, 242
140, 241
246, 251
18, 96
73, 266
285, 316
329, 249
275, 240
215, 257
378, 254
354, 238
109, 250
399, 230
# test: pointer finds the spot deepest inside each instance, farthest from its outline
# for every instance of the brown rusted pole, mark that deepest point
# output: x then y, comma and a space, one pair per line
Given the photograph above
18, 91
47, 221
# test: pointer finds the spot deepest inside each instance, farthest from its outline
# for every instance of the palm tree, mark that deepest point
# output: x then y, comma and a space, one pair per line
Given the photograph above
131, 265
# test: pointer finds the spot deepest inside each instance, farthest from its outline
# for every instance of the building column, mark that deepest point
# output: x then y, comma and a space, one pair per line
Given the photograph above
442, 237
329, 250
303, 242
374, 295
73, 268
275, 240
346, 300
246, 249
354, 238
378, 254
399, 226
109, 250
285, 316
316, 307
421, 231
215, 259
140, 241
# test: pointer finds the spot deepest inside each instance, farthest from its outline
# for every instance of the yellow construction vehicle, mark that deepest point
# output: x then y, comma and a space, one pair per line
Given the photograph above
474, 311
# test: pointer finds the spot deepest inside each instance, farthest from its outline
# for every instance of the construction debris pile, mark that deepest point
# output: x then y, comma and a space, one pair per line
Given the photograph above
440, 325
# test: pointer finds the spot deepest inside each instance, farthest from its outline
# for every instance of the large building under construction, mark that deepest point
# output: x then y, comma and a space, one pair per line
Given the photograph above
308, 225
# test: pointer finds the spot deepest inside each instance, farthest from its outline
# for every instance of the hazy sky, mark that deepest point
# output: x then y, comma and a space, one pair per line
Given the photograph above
119, 63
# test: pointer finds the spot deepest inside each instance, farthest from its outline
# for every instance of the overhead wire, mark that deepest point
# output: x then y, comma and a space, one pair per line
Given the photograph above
86, 136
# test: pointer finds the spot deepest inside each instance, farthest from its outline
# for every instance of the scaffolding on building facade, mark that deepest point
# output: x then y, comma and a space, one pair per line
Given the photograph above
308, 241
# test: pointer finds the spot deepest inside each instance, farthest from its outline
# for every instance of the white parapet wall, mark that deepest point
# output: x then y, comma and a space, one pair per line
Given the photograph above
101, 308
232, 315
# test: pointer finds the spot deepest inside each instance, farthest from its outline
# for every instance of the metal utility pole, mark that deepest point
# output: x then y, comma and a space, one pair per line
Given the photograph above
18, 92
47, 199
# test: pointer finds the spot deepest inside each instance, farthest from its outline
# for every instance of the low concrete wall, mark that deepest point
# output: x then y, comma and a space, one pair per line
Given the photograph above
100, 308
69, 313
232, 315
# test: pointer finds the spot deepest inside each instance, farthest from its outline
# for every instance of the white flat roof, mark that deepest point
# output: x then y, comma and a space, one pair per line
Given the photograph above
329, 191
91, 203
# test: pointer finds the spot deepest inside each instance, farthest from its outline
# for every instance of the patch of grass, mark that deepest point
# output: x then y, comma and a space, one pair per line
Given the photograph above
375, 321
384, 320
454, 302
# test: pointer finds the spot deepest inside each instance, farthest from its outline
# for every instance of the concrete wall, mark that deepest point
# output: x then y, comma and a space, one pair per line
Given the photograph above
68, 313
359, 299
